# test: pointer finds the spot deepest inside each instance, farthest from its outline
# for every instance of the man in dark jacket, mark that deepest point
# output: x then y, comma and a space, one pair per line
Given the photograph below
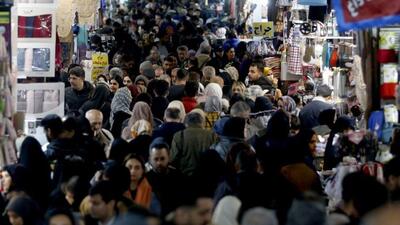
310, 113
171, 125
256, 77
166, 181
79, 92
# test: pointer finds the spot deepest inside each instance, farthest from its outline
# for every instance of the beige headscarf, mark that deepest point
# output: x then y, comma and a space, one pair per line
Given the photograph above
141, 110
179, 105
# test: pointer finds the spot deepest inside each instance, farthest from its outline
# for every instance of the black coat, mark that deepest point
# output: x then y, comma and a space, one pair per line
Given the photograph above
34, 159
75, 99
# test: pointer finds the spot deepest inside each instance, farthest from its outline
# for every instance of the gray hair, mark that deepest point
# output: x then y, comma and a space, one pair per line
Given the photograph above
195, 119
145, 65
116, 72
259, 216
208, 72
240, 108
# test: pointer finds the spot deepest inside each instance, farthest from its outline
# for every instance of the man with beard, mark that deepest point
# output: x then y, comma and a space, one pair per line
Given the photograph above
167, 182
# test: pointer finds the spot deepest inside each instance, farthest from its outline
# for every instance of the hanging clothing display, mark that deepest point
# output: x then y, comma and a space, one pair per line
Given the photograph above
294, 59
361, 87
35, 26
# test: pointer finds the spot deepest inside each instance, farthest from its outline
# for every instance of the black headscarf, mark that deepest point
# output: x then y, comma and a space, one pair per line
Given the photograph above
278, 125
34, 160
26, 208
20, 178
118, 151
100, 96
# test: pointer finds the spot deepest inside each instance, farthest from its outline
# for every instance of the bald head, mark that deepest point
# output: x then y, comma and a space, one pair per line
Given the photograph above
95, 118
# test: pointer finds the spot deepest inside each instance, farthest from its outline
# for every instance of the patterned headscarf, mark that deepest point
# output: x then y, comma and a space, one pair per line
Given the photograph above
289, 104
121, 102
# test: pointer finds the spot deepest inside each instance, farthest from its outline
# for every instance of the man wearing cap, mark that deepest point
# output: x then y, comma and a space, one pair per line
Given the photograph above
78, 93
310, 113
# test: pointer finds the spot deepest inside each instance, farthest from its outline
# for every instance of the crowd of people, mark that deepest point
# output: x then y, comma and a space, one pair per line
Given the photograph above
187, 130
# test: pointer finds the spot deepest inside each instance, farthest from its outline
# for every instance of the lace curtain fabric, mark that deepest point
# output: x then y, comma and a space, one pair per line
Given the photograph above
8, 135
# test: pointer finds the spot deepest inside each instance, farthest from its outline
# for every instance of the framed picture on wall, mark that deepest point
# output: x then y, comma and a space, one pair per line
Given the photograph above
35, 60
35, 24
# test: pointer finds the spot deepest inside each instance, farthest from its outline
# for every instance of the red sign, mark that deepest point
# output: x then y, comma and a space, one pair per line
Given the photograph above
357, 14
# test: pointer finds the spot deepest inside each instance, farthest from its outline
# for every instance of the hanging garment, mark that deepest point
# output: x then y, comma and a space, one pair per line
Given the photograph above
361, 87
35, 26
294, 60
333, 61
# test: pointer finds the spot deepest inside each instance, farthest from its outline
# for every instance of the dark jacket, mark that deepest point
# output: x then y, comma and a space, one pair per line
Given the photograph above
158, 107
263, 82
75, 99
119, 118
176, 92
140, 146
168, 188
167, 131
187, 146
310, 113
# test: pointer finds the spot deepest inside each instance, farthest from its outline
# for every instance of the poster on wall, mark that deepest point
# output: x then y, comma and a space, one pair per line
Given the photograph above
35, 60
355, 14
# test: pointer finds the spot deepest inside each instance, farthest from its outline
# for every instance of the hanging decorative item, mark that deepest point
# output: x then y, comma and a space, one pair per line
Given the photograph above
365, 14
86, 8
64, 18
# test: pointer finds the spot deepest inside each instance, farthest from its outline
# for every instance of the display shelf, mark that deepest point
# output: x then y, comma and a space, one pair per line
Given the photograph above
330, 37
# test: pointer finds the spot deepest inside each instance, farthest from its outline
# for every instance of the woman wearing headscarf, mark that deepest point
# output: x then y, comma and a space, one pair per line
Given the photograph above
16, 181
259, 123
141, 110
288, 104
99, 101
120, 110
213, 89
22, 210
179, 105
227, 211
141, 132
213, 110
273, 146
34, 160
115, 84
